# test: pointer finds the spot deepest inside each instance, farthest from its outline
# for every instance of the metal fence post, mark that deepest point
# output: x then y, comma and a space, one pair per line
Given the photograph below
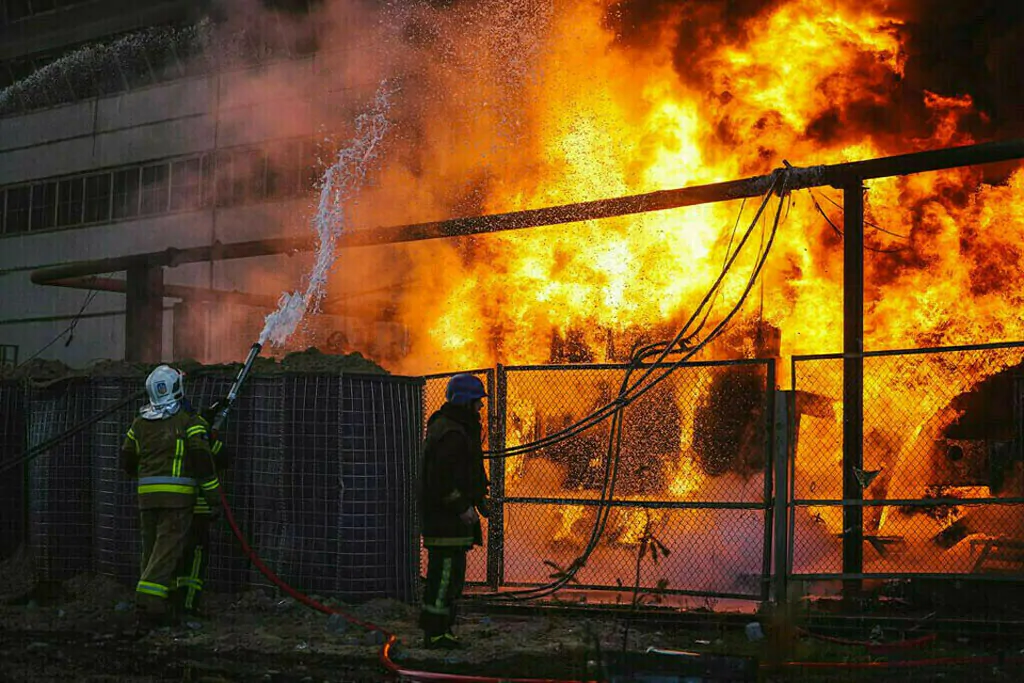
780, 526
853, 383
770, 396
496, 521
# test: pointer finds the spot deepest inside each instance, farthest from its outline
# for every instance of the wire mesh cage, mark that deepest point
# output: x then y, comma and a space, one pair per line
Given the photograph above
322, 480
12, 484
59, 481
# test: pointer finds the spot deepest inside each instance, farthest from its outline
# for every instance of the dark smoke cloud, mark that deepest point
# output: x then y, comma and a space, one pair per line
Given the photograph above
970, 47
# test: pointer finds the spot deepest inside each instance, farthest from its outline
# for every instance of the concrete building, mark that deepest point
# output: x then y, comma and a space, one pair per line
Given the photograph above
138, 147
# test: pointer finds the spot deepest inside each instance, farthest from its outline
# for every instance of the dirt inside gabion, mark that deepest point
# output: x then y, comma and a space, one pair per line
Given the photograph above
40, 372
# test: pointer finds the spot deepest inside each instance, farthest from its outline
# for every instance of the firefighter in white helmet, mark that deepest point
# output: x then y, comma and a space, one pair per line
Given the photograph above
167, 449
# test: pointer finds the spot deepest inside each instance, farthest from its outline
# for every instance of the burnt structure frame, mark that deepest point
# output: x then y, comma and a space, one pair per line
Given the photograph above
853, 503
768, 506
848, 177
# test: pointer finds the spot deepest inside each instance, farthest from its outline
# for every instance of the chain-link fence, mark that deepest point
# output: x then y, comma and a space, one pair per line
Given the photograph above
322, 481
692, 472
941, 485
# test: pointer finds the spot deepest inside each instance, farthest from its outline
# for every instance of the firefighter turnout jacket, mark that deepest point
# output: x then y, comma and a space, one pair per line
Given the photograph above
454, 478
173, 461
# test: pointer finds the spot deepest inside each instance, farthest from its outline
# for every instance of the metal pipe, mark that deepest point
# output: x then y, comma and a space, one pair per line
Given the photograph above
838, 175
110, 284
853, 381
173, 257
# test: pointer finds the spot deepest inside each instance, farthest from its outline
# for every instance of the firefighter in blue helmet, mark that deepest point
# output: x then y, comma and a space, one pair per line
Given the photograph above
453, 494
166, 448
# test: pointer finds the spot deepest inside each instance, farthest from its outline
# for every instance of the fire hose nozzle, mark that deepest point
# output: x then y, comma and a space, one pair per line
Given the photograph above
222, 415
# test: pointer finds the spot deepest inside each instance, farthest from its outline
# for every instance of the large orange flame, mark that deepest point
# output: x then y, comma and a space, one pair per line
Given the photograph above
802, 81
611, 121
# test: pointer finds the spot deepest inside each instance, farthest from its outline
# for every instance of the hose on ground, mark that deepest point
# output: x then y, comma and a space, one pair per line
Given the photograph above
391, 640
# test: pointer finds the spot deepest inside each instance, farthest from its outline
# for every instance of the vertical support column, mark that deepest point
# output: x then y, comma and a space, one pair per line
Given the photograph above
144, 314
771, 395
496, 522
784, 405
853, 382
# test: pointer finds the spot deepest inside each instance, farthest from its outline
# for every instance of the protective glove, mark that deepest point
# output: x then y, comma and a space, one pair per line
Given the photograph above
469, 516
210, 412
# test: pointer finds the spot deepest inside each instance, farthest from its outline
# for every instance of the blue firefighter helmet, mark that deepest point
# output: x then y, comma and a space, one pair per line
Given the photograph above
464, 389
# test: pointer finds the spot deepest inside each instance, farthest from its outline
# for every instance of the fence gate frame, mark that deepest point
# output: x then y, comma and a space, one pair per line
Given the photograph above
768, 507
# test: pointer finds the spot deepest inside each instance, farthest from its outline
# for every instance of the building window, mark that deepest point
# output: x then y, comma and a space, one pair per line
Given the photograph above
126, 193
44, 205
223, 183
283, 170
69, 201
8, 356
234, 183
256, 170
13, 10
310, 166
97, 198
17, 9
187, 184
18, 202
155, 188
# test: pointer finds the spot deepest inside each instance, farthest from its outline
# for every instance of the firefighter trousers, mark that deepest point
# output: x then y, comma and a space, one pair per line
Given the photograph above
446, 577
164, 535
192, 568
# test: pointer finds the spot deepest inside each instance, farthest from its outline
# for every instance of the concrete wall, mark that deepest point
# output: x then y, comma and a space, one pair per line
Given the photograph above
187, 116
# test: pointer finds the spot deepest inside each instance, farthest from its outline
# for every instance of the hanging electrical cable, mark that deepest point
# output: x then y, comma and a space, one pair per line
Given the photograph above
615, 437
625, 398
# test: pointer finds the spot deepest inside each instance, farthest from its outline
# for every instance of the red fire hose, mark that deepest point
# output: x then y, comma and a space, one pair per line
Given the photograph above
390, 639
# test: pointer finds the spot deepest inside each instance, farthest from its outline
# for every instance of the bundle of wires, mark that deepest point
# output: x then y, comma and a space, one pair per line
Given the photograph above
683, 346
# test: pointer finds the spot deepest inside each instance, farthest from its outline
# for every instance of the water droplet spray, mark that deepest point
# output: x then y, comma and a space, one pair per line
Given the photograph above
341, 182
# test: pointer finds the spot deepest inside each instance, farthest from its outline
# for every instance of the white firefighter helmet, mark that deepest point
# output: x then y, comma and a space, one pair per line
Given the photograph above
166, 388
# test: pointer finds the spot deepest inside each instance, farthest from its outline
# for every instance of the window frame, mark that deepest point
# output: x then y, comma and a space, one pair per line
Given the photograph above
278, 170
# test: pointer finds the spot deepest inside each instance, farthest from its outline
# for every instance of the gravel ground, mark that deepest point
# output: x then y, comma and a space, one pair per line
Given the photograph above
83, 630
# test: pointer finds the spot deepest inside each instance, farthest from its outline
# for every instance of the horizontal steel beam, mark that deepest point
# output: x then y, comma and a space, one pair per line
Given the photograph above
172, 258
340, 306
837, 175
